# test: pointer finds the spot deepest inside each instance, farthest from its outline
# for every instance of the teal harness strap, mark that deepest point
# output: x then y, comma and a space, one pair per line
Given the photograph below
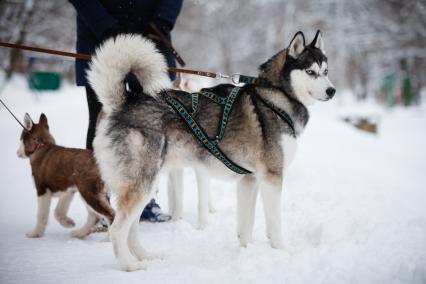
281, 113
226, 112
201, 135
228, 103
213, 97
253, 80
194, 99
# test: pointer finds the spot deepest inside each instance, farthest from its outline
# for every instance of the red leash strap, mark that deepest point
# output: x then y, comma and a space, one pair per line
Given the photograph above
89, 57
48, 51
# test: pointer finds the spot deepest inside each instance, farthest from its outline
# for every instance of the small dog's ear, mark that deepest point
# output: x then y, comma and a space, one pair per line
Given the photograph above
297, 45
43, 120
28, 122
318, 42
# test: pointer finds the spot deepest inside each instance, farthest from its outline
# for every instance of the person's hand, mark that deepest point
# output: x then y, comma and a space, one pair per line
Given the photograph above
162, 26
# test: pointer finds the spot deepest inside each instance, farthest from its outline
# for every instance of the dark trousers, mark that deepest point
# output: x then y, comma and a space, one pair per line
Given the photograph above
94, 108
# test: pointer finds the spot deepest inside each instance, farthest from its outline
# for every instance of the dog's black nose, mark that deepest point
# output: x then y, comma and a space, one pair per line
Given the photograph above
330, 92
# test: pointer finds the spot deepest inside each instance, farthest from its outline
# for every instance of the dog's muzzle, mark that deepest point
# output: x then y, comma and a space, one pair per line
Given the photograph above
330, 92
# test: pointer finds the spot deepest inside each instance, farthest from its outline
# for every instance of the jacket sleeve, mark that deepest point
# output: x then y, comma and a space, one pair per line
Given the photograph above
167, 13
95, 16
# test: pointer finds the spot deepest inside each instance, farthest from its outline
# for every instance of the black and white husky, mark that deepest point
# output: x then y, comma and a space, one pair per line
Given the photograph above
141, 136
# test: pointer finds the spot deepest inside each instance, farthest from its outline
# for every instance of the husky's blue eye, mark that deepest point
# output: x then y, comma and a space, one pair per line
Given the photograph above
310, 72
326, 72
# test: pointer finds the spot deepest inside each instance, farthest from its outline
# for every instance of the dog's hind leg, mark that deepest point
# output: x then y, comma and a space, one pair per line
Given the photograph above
271, 194
62, 207
95, 197
130, 202
92, 219
134, 245
43, 206
175, 189
246, 207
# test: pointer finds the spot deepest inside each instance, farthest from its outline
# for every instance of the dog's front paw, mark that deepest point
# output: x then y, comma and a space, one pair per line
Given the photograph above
67, 222
201, 226
34, 234
176, 216
79, 234
277, 243
130, 266
141, 254
154, 256
244, 239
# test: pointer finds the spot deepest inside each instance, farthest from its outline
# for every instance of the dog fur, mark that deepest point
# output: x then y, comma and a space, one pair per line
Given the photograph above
60, 172
141, 136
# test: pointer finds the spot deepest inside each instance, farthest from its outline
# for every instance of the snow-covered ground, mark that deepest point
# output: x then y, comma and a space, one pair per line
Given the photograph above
354, 209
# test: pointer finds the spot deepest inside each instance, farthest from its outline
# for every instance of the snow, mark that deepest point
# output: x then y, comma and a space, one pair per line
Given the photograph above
353, 208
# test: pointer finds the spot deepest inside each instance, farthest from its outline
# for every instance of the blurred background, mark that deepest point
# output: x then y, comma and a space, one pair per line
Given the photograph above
377, 48
353, 199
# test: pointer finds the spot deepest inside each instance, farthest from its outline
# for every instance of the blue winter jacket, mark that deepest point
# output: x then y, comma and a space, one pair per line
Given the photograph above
98, 19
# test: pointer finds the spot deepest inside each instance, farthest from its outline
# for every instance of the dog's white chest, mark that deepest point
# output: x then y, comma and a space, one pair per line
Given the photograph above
289, 147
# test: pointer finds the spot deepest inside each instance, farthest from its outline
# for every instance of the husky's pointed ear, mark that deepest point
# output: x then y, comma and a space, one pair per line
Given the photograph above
318, 42
297, 45
43, 120
28, 122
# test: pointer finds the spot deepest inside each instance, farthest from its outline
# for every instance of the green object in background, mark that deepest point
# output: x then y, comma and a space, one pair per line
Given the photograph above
44, 81
407, 95
388, 88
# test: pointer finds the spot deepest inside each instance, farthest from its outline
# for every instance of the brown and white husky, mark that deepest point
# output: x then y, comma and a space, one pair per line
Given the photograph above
60, 172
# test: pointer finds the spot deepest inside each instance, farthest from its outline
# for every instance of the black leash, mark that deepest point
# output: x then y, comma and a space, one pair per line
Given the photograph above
39, 144
13, 115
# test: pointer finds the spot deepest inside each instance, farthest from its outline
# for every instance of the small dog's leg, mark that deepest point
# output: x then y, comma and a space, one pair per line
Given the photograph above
95, 197
130, 204
246, 207
43, 207
176, 185
62, 209
271, 195
203, 183
92, 219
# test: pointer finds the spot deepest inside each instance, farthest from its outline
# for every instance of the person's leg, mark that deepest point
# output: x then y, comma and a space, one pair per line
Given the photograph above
94, 108
170, 59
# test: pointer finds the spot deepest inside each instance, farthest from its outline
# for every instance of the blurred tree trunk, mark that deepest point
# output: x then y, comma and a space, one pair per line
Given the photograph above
16, 55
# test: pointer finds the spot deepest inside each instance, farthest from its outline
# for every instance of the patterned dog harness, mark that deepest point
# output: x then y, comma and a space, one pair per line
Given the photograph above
227, 102
199, 133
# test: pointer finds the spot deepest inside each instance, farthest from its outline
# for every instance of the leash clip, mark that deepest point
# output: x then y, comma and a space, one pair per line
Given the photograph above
236, 78
222, 76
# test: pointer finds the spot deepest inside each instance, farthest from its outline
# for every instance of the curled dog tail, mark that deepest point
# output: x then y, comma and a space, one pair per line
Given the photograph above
118, 56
